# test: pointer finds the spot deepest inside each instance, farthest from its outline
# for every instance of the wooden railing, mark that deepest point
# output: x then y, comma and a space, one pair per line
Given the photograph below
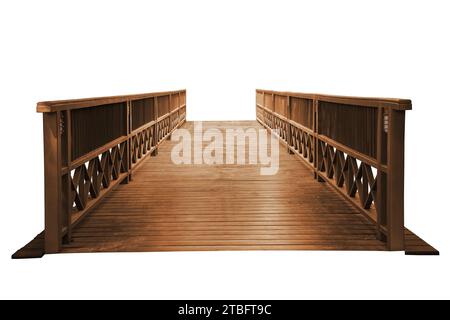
355, 144
92, 145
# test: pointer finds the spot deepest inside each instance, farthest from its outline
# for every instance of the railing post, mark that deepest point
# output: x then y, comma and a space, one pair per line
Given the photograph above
288, 124
381, 189
66, 187
263, 104
315, 127
179, 109
52, 176
273, 111
185, 106
170, 117
155, 128
395, 179
127, 155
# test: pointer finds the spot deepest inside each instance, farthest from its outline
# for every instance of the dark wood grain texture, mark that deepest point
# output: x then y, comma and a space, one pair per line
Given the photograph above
354, 144
92, 145
222, 207
104, 194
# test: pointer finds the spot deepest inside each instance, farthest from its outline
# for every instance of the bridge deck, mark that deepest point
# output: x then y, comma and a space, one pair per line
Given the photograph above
168, 207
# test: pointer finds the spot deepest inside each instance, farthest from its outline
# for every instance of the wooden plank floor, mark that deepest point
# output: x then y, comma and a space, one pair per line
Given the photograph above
170, 207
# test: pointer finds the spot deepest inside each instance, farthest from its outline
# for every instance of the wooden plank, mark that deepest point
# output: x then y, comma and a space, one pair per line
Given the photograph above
416, 246
33, 249
149, 248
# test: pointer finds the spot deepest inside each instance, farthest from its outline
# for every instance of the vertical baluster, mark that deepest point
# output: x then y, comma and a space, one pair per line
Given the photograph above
155, 128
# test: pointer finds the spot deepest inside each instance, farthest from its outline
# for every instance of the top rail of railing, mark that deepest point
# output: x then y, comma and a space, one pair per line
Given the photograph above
61, 105
394, 103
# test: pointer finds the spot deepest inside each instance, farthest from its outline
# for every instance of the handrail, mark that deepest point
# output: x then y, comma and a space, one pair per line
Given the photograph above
92, 145
395, 103
59, 105
356, 144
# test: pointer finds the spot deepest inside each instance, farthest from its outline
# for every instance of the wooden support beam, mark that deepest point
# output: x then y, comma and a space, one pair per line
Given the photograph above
128, 129
395, 180
52, 169
380, 201
66, 178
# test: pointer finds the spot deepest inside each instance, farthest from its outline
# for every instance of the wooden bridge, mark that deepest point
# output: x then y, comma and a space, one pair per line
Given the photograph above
110, 184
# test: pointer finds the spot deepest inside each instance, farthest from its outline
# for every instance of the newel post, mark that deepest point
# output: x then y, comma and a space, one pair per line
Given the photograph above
52, 176
395, 179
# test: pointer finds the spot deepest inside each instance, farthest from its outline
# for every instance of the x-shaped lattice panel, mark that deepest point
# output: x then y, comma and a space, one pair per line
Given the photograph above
141, 143
355, 176
302, 141
89, 179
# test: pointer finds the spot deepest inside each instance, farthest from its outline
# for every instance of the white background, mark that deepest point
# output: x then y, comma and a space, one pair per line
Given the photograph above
220, 51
